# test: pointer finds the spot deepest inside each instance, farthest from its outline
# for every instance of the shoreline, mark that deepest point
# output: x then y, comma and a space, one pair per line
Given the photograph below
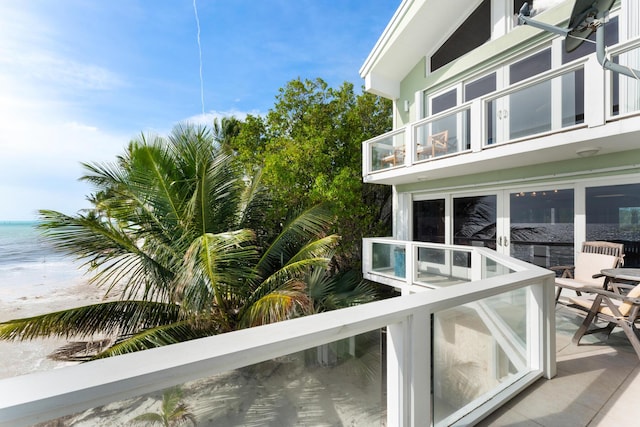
25, 357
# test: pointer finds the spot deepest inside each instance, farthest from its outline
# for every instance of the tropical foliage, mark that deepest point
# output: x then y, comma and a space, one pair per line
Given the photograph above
177, 232
309, 147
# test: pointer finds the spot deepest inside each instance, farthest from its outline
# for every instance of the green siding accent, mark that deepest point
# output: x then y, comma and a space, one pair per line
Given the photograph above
591, 167
488, 56
415, 78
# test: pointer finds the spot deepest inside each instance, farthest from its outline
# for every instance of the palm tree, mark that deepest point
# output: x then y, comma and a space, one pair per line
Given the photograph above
171, 232
173, 412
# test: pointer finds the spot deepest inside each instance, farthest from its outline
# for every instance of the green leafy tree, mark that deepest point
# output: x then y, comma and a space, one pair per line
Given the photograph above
171, 232
309, 148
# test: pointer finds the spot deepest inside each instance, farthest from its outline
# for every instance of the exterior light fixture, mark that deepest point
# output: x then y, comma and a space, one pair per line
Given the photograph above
588, 151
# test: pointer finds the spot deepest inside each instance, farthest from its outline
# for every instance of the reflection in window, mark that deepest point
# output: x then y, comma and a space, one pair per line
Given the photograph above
530, 110
474, 221
428, 221
530, 66
573, 98
444, 102
482, 86
613, 214
542, 230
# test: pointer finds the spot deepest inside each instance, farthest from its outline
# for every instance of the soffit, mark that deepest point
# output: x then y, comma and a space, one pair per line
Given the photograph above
417, 28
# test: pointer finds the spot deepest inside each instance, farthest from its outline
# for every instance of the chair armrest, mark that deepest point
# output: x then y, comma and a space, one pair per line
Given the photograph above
609, 294
562, 267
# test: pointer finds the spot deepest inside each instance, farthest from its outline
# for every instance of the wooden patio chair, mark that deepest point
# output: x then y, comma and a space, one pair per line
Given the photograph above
394, 157
614, 307
593, 257
438, 142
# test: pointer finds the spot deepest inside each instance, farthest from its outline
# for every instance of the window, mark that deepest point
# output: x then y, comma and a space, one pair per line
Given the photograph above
613, 214
444, 102
473, 32
530, 66
482, 86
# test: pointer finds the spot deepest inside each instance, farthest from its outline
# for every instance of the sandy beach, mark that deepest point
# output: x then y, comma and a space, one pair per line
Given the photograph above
19, 358
292, 390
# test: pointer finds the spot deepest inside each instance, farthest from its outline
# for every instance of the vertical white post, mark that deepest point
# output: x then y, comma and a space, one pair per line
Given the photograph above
594, 93
476, 265
478, 131
420, 362
549, 328
397, 403
411, 255
366, 160
543, 315
367, 256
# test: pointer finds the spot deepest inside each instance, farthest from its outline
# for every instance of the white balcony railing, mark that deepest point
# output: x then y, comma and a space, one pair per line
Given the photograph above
566, 97
452, 355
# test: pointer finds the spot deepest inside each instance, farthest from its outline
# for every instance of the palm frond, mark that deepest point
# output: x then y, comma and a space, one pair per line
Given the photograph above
149, 418
284, 303
320, 248
212, 265
309, 224
164, 334
110, 318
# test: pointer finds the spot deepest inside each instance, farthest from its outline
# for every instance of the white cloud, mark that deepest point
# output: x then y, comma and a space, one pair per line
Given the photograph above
42, 137
208, 117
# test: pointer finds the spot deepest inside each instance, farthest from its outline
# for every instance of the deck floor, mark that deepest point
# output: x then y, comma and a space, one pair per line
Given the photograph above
598, 384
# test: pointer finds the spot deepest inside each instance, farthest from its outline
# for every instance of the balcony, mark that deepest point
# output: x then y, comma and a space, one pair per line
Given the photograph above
553, 115
448, 355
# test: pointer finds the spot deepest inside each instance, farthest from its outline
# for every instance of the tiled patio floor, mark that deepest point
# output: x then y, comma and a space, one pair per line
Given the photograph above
598, 384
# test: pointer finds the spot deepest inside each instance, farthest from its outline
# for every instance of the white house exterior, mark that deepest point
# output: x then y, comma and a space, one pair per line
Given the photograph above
539, 148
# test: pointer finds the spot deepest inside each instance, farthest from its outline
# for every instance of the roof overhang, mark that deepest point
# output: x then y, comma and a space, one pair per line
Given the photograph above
415, 30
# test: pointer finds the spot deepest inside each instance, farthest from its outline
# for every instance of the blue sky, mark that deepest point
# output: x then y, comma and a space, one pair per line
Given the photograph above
79, 79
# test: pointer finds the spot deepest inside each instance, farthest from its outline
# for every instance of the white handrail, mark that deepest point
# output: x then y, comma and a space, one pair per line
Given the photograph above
28, 399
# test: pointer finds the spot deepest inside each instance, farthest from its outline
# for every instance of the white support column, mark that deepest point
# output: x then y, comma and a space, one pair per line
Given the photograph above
411, 254
541, 336
549, 329
629, 29
420, 385
410, 142
476, 269
580, 216
397, 374
401, 215
367, 256
556, 86
500, 18
477, 128
595, 99
630, 21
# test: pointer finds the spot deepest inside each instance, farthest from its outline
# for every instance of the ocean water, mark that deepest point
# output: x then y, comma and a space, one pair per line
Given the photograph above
30, 266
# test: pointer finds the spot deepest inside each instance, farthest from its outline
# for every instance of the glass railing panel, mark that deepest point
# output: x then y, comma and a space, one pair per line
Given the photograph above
389, 259
530, 110
491, 268
340, 383
439, 267
478, 349
626, 90
446, 135
388, 151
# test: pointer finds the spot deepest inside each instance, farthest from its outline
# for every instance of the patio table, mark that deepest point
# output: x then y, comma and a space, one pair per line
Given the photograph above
620, 275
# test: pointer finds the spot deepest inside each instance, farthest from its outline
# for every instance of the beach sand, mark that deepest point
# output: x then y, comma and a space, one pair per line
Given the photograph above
19, 358
292, 390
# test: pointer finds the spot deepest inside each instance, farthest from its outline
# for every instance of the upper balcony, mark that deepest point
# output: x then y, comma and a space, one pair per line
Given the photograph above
560, 114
